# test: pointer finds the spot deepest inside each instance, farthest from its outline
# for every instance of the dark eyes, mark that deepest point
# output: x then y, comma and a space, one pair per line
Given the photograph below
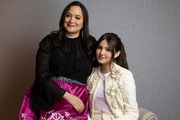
100, 48
68, 15
76, 17
107, 49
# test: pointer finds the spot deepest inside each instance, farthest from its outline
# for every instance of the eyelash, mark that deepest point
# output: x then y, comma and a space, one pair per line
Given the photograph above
77, 18
100, 48
107, 49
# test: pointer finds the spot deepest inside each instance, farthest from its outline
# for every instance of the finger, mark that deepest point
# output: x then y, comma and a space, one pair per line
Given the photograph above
76, 108
79, 109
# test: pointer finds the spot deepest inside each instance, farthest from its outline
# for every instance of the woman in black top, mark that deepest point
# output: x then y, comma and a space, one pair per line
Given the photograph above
64, 61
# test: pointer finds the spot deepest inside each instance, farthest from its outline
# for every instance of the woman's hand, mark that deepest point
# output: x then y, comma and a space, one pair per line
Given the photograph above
74, 101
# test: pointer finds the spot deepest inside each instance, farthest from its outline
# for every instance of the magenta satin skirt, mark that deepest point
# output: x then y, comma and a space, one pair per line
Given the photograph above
61, 110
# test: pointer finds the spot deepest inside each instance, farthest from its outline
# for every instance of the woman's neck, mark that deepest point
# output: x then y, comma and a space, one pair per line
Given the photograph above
105, 68
71, 35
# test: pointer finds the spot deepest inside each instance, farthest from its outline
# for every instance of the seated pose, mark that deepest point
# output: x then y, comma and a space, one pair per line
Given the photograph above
111, 85
63, 63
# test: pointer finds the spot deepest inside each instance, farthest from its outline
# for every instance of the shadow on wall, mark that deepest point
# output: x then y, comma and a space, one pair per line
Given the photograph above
18, 76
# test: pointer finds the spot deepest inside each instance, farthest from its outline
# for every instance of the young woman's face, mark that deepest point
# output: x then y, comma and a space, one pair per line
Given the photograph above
103, 53
73, 21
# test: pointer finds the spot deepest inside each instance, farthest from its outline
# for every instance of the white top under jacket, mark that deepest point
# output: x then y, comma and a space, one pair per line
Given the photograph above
120, 94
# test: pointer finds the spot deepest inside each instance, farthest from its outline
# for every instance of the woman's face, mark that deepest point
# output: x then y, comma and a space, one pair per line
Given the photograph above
73, 21
103, 53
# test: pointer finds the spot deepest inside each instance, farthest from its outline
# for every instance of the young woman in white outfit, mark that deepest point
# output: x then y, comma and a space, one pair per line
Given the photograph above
111, 85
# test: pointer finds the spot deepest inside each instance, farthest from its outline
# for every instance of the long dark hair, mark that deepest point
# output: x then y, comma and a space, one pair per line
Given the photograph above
84, 32
115, 44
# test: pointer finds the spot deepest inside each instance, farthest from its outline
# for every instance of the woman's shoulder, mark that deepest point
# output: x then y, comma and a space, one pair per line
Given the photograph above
123, 71
48, 39
94, 74
123, 74
94, 71
92, 38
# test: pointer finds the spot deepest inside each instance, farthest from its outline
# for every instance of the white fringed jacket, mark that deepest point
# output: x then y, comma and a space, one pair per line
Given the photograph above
120, 94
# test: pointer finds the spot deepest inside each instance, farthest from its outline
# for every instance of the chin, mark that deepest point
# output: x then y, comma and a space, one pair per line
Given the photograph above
100, 62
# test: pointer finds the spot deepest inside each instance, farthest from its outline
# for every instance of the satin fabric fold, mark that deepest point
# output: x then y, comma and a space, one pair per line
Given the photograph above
61, 110
26, 112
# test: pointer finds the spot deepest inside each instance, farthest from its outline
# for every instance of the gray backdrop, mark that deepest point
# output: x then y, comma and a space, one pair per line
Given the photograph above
150, 30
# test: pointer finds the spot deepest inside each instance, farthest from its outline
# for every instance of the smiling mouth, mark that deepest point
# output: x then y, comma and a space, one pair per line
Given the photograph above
100, 58
71, 25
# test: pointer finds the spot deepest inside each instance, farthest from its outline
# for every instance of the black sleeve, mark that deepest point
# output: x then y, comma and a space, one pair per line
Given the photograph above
44, 91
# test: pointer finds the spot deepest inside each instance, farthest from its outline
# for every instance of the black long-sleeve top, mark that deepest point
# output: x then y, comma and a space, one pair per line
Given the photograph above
49, 62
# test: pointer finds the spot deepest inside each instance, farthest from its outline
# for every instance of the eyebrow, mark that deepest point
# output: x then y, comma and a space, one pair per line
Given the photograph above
103, 47
75, 14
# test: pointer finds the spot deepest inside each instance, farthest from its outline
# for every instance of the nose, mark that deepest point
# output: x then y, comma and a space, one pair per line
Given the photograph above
71, 19
102, 51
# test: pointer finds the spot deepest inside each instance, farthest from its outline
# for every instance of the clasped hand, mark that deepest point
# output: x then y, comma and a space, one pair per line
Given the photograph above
74, 101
